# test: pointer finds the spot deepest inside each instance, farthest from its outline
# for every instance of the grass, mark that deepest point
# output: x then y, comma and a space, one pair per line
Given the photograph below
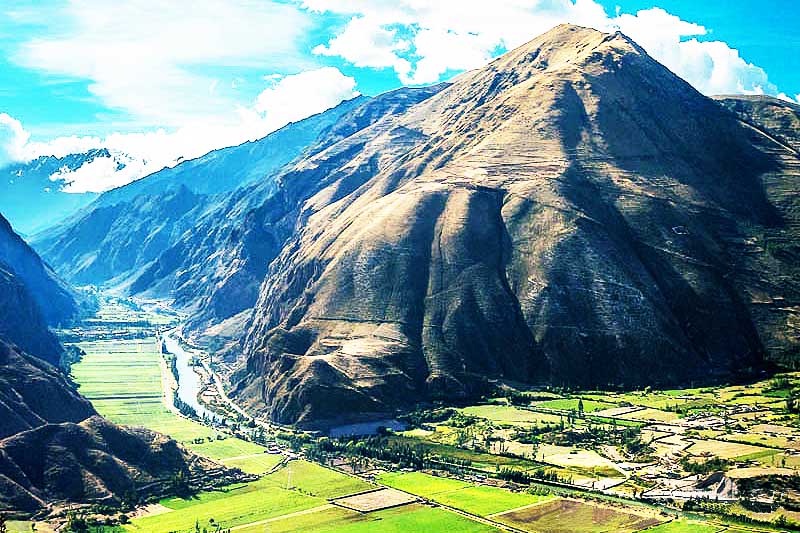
226, 448
317, 480
509, 414
238, 506
724, 449
257, 464
571, 404
684, 526
476, 499
479, 460
270, 497
399, 520
122, 379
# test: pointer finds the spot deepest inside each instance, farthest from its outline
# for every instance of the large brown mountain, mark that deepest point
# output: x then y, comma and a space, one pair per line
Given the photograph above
573, 213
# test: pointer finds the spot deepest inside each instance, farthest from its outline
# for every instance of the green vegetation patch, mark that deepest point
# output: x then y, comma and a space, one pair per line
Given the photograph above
406, 519
476, 499
226, 448
316, 480
684, 526
571, 404
257, 464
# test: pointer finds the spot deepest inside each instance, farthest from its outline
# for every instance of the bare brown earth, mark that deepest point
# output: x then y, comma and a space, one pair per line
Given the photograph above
572, 516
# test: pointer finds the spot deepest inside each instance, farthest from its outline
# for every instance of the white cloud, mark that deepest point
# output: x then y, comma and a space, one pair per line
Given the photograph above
301, 95
147, 57
366, 43
290, 98
13, 138
449, 35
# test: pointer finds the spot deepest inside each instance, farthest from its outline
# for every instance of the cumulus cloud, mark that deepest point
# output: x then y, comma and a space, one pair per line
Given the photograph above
451, 35
13, 138
134, 155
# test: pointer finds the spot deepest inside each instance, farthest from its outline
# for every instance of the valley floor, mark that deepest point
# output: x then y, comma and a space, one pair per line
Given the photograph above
535, 461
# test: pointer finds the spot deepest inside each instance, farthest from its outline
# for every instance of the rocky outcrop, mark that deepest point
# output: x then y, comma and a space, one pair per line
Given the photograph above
573, 213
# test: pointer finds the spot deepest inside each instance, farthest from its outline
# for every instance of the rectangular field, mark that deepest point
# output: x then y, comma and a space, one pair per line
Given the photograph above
292, 490
375, 500
573, 516
476, 499
407, 519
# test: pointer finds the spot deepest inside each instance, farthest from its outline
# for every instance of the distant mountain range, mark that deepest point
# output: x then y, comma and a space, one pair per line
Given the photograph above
572, 214
34, 201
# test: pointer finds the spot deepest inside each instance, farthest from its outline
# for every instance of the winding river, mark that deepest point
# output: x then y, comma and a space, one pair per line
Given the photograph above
189, 382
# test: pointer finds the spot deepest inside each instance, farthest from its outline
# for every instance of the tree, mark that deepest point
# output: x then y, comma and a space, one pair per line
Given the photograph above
3, 525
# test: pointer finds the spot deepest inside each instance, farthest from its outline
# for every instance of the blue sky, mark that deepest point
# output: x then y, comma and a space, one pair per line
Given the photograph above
156, 81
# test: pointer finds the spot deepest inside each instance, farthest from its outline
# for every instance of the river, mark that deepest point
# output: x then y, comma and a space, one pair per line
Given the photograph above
189, 382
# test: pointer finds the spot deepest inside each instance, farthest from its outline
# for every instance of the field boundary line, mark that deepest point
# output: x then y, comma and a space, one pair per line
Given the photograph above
290, 515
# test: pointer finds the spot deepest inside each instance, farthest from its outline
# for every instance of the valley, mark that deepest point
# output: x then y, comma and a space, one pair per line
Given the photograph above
556, 293
546, 461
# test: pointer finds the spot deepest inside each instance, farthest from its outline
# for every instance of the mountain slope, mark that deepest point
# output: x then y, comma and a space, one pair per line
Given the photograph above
53, 446
120, 233
776, 117
215, 269
572, 213
95, 462
56, 300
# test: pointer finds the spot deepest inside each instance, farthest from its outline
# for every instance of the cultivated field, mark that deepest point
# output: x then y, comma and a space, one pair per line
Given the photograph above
573, 516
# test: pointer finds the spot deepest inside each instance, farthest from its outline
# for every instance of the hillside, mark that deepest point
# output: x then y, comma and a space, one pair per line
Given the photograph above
54, 298
53, 446
573, 214
776, 117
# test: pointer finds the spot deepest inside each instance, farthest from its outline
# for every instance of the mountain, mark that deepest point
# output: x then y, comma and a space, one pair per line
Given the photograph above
109, 241
215, 270
572, 214
57, 302
32, 194
34, 393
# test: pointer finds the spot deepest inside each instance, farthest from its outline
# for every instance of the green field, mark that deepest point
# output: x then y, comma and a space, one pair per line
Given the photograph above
682, 526
475, 499
255, 464
297, 487
571, 404
122, 379
509, 414
406, 519
228, 447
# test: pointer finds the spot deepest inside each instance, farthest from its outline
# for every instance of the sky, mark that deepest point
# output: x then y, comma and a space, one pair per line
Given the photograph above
155, 81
